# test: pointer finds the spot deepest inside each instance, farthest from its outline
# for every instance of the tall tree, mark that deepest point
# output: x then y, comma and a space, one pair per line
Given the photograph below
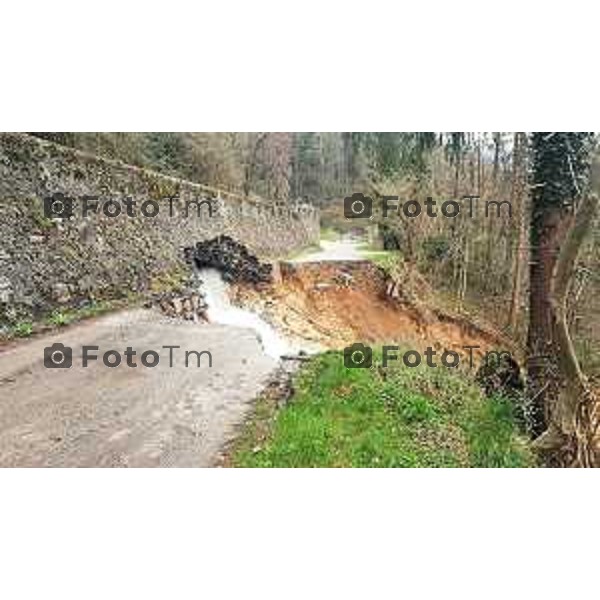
560, 164
307, 166
518, 197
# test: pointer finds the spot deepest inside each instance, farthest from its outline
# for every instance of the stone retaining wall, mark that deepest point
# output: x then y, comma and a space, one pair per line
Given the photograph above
48, 261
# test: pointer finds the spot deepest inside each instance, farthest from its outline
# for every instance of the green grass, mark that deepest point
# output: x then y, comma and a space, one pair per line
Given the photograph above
386, 259
393, 417
22, 329
61, 318
58, 318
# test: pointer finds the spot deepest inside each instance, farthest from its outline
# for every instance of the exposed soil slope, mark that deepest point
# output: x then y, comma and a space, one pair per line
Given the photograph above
337, 303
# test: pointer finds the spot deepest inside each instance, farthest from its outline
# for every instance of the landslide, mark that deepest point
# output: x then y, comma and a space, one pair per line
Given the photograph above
333, 304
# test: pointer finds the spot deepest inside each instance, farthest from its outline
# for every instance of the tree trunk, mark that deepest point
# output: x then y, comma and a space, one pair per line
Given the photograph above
560, 169
518, 200
574, 418
465, 271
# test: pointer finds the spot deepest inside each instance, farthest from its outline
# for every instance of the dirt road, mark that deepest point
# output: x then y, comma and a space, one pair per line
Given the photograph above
123, 416
338, 250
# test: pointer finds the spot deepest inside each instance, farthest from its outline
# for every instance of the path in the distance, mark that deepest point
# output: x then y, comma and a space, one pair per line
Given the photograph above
138, 417
339, 250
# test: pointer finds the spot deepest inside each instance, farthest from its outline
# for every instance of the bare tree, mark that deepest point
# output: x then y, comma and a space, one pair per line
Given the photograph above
519, 195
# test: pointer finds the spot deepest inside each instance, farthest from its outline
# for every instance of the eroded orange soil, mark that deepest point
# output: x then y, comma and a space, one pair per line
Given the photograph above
334, 304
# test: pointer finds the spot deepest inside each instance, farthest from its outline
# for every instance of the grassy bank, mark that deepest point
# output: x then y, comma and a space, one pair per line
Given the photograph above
392, 417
